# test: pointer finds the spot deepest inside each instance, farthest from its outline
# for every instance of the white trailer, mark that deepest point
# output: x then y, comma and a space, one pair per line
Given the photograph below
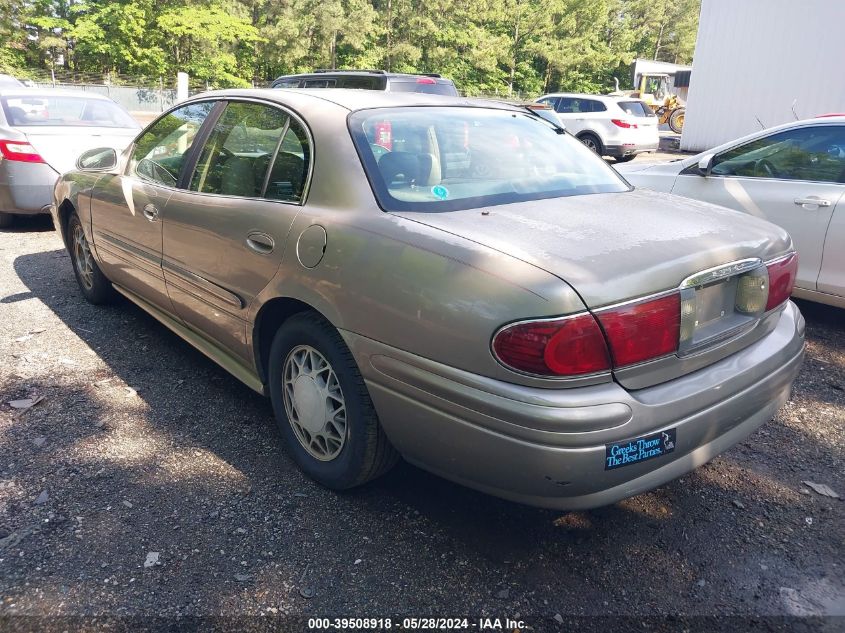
758, 60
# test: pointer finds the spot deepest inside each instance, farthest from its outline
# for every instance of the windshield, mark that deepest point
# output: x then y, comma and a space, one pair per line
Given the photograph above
450, 158
49, 110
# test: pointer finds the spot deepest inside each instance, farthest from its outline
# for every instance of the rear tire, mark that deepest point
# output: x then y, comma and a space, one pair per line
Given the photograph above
676, 120
95, 287
322, 405
6, 220
593, 142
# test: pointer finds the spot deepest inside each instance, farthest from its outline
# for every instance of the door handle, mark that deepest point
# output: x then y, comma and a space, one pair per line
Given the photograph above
151, 212
261, 243
812, 200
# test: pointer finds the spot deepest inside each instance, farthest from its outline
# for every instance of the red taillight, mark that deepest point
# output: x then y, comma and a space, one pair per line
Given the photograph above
425, 80
625, 124
641, 331
384, 135
781, 279
20, 151
569, 346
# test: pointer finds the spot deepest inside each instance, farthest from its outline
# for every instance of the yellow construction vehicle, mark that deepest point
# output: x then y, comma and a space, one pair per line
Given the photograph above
653, 88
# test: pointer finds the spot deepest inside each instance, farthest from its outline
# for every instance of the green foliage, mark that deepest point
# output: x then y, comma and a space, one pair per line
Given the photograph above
486, 46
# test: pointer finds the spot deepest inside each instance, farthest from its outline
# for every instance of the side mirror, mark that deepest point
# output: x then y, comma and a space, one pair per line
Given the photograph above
705, 165
98, 159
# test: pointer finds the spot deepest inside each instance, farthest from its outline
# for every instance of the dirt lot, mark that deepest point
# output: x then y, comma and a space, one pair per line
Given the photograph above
141, 450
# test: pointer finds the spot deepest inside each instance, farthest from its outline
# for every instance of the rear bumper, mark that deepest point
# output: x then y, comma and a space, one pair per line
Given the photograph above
546, 447
630, 149
26, 188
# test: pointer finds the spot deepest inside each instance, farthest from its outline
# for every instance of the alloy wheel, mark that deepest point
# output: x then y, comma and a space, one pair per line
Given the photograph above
82, 257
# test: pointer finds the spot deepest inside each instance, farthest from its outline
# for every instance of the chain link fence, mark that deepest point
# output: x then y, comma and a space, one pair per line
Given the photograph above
135, 93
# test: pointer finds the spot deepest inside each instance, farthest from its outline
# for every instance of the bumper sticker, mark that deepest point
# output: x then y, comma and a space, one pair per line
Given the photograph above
639, 449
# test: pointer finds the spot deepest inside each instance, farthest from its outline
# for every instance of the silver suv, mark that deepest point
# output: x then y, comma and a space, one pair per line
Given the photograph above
369, 80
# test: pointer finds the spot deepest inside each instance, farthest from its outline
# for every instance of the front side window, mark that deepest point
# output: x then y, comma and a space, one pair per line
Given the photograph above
160, 152
287, 83
567, 105
551, 102
318, 83
47, 110
237, 154
814, 153
450, 158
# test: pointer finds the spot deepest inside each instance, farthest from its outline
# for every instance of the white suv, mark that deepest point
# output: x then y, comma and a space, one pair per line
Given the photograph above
619, 127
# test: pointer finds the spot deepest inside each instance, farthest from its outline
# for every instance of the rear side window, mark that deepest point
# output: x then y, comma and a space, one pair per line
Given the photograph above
573, 105
636, 108
287, 178
361, 83
427, 85
237, 154
48, 110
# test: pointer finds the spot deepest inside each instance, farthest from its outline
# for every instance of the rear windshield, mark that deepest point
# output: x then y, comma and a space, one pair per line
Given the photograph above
425, 85
636, 108
49, 110
450, 158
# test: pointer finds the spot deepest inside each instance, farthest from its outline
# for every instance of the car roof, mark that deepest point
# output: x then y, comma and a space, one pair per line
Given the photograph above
360, 73
581, 95
25, 91
354, 99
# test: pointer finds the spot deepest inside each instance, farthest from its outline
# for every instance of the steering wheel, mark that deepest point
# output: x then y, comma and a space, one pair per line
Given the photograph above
378, 150
764, 168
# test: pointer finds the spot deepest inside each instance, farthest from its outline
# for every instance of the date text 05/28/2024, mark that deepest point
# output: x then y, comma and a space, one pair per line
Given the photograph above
425, 623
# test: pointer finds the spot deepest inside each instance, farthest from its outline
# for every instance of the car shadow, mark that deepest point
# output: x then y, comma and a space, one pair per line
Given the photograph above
30, 224
152, 422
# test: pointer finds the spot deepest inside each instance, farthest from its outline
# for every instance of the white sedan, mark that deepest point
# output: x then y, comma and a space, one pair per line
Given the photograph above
792, 175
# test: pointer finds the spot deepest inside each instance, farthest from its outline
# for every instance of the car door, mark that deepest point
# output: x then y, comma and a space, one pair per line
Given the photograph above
225, 230
832, 274
127, 209
792, 178
571, 115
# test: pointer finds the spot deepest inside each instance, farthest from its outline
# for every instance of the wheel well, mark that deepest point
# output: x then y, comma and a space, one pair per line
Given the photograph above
65, 209
270, 318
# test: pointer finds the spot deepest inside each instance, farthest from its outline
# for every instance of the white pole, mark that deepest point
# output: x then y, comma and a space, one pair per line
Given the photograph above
181, 86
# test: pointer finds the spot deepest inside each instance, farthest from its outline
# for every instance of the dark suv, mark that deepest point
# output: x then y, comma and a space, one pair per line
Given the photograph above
369, 80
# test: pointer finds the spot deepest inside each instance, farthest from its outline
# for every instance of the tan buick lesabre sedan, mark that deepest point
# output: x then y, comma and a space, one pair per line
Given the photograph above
458, 282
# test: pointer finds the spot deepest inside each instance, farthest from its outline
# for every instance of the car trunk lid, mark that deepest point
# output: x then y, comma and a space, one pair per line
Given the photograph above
61, 146
619, 247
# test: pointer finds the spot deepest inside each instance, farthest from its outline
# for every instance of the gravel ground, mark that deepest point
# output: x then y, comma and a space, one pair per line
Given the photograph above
142, 451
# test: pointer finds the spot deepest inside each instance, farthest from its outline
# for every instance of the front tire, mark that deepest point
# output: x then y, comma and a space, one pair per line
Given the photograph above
6, 220
94, 285
676, 120
593, 142
624, 159
322, 406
